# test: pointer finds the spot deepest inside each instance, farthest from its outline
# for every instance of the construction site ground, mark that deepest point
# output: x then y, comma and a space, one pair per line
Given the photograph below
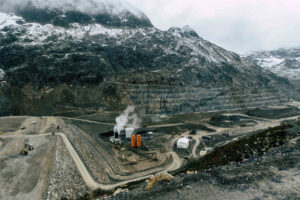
78, 159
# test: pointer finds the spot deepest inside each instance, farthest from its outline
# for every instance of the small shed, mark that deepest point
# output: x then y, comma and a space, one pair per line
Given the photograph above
183, 143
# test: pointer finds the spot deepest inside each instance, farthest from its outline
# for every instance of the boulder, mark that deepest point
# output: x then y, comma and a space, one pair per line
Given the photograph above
157, 178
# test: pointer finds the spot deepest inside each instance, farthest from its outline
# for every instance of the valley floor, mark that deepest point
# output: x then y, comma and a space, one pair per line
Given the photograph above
80, 161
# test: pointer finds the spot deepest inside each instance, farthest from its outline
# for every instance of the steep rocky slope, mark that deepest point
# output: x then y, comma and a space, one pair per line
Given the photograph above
56, 55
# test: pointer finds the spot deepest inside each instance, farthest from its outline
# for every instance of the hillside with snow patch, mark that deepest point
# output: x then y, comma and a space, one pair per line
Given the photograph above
58, 54
283, 62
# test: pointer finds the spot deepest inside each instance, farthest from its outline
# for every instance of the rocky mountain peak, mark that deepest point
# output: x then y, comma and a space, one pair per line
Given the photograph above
113, 13
185, 31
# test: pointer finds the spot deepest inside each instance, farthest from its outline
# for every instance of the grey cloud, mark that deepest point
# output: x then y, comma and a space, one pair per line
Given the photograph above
240, 26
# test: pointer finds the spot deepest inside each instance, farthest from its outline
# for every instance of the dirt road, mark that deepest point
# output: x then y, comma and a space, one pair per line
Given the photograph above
166, 125
237, 131
85, 120
195, 147
24, 136
91, 183
89, 180
175, 164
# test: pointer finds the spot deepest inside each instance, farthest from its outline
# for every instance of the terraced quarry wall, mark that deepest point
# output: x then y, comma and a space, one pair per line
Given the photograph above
150, 98
295, 94
181, 99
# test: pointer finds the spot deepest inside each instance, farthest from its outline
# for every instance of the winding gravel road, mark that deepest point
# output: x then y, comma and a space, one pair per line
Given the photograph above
89, 180
175, 164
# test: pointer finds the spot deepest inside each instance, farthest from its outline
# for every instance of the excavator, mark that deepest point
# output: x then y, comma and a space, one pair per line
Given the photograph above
24, 152
27, 148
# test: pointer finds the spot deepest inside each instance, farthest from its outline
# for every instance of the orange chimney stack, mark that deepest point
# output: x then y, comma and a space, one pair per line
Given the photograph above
139, 141
132, 141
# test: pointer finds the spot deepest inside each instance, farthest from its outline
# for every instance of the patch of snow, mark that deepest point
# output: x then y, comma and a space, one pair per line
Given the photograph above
203, 48
115, 7
156, 71
187, 29
179, 70
175, 31
8, 20
270, 61
39, 33
276, 62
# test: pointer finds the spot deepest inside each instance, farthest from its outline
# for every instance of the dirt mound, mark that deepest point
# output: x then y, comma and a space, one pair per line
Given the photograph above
230, 121
270, 113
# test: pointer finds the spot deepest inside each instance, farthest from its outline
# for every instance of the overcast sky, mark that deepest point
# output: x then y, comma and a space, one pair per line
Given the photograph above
238, 25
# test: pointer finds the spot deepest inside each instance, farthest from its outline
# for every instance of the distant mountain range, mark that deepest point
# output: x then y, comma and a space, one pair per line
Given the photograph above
283, 62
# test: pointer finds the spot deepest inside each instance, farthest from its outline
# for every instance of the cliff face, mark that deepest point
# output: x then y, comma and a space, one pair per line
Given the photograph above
54, 56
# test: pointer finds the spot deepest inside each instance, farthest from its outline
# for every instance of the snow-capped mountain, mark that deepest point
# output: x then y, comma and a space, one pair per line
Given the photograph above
85, 6
65, 12
283, 62
49, 44
113, 49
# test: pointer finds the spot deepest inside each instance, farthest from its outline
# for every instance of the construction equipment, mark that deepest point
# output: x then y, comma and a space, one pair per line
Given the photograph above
226, 133
132, 161
29, 147
193, 132
24, 152
243, 125
144, 124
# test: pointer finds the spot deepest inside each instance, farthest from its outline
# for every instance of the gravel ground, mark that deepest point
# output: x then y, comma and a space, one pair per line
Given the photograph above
258, 179
274, 175
88, 154
24, 177
65, 180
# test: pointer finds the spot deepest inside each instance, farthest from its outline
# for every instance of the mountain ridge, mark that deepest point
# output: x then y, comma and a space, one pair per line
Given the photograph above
113, 13
47, 65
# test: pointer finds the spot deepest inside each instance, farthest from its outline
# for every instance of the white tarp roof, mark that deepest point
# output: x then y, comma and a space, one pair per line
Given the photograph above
183, 143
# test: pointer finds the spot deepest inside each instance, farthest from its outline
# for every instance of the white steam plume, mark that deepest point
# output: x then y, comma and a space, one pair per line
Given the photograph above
127, 119
2, 73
